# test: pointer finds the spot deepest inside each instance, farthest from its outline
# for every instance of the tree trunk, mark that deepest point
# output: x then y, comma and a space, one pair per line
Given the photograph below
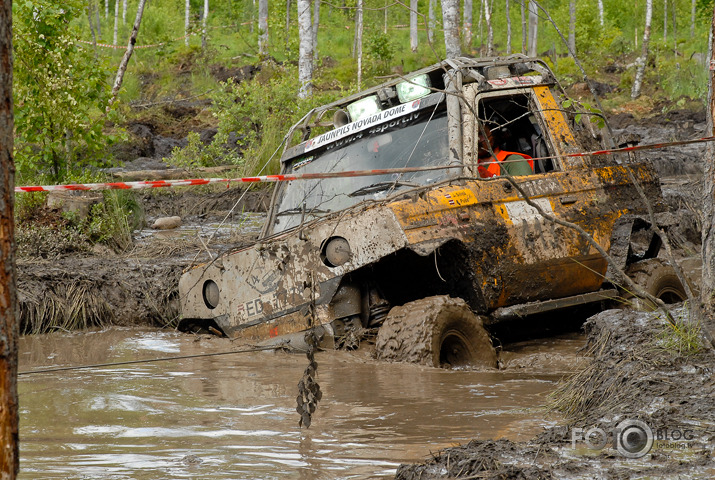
665, 20
450, 23
305, 54
467, 21
91, 28
413, 25
358, 42
316, 24
508, 29
692, 18
106, 9
204, 21
523, 28
431, 22
572, 27
490, 27
600, 12
128, 54
707, 294
187, 13
675, 31
262, 28
642, 60
533, 28
124, 12
9, 451
116, 20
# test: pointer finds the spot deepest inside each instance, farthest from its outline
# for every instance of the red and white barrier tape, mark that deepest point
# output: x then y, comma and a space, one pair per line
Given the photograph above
311, 176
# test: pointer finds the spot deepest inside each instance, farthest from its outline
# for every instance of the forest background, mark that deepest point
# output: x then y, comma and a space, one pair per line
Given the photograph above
67, 54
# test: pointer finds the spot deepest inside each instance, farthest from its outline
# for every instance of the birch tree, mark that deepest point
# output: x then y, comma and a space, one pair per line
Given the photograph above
358, 41
204, 20
450, 23
128, 53
490, 28
533, 28
287, 30
106, 9
116, 21
316, 24
693, 6
305, 49
523, 28
262, 28
9, 330
508, 29
642, 60
187, 12
600, 12
707, 294
124, 12
467, 21
572, 27
413, 25
665, 20
431, 23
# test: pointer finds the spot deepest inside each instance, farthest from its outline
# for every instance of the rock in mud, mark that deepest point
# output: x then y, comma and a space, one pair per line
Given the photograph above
166, 223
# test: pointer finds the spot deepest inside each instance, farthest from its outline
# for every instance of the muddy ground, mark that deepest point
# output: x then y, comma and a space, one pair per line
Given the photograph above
630, 375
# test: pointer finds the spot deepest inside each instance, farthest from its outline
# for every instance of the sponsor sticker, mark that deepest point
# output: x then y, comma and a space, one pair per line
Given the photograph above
458, 198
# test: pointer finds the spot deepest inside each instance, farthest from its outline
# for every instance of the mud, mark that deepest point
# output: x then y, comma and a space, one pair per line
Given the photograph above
632, 374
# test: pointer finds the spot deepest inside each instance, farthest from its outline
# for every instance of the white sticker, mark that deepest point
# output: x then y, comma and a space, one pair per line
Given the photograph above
515, 81
521, 210
360, 125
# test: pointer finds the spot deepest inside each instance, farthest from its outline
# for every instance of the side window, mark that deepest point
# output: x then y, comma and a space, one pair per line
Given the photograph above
516, 128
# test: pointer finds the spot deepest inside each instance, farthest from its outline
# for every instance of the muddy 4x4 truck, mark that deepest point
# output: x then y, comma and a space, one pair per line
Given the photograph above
429, 258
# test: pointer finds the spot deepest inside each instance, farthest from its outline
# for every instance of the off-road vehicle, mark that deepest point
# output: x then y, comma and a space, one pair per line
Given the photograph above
429, 256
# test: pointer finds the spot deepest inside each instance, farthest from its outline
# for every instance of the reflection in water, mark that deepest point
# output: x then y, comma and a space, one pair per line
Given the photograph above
234, 416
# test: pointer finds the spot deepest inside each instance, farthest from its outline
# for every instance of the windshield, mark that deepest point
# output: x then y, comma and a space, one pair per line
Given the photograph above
415, 140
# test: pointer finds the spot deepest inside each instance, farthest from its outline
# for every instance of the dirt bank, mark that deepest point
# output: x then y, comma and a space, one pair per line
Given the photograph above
635, 373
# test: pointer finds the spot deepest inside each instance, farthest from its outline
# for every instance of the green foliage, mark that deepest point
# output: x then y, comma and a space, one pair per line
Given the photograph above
683, 336
593, 114
59, 91
380, 51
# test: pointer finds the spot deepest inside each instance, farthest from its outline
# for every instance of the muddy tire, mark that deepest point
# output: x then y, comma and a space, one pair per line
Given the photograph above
658, 278
436, 331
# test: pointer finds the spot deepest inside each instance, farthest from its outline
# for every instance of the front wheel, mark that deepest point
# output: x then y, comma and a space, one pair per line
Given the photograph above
437, 331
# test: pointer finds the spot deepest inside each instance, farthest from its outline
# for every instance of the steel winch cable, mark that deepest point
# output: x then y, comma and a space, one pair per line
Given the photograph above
313, 176
150, 360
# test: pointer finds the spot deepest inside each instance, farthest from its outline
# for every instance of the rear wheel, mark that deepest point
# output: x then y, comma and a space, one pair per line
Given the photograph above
658, 278
437, 331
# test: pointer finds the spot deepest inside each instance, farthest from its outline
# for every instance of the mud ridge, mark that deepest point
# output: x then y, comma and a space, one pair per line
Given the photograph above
630, 376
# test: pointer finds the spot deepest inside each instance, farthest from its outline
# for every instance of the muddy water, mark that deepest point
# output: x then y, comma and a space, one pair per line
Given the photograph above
233, 416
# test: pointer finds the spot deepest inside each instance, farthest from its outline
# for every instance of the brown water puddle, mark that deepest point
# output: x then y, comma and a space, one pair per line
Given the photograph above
234, 416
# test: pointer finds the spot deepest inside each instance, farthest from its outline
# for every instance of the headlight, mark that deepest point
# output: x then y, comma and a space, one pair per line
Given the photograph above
335, 251
211, 294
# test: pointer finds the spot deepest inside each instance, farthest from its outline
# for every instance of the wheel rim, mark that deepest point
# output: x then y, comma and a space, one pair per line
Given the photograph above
670, 295
455, 349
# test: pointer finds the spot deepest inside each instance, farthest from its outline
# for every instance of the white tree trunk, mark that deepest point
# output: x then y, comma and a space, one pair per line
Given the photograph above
431, 22
508, 29
450, 23
106, 9
128, 54
263, 27
467, 21
665, 20
600, 12
641, 61
203, 24
523, 27
305, 53
187, 12
116, 21
358, 42
572, 27
316, 24
413, 25
124, 12
490, 28
692, 18
533, 28
707, 294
